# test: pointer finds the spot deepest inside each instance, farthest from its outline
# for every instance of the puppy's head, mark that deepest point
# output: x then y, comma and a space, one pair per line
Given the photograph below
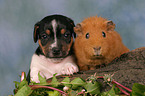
55, 36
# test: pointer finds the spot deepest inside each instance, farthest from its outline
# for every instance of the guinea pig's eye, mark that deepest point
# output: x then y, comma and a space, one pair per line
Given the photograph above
103, 34
87, 36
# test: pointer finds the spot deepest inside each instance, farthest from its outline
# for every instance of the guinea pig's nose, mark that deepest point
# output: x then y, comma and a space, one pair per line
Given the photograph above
97, 48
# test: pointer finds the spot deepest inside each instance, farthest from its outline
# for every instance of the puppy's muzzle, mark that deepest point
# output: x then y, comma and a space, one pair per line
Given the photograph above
56, 51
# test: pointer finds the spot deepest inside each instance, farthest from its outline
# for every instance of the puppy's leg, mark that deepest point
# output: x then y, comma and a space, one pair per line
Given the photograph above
34, 75
35, 68
69, 68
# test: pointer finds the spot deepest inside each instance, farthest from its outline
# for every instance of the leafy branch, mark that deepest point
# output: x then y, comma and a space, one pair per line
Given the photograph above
76, 87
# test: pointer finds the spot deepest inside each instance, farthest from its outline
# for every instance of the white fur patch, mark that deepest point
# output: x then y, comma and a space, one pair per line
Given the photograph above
56, 60
47, 68
54, 26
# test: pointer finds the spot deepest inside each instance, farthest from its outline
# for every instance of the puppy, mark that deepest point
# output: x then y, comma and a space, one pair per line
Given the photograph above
55, 36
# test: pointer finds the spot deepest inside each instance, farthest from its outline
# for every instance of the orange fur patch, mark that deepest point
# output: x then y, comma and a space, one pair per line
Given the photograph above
48, 32
43, 48
69, 45
63, 31
35, 33
111, 45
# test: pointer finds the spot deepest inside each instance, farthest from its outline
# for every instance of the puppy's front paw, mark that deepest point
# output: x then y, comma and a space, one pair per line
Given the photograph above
35, 79
69, 69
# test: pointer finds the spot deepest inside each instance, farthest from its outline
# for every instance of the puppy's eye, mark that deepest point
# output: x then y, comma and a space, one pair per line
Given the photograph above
87, 36
44, 36
66, 35
103, 34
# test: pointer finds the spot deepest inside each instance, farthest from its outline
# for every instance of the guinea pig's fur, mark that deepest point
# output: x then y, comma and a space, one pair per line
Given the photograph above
97, 43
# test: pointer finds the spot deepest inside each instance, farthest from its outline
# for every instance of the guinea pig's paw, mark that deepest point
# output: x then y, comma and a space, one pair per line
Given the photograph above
69, 69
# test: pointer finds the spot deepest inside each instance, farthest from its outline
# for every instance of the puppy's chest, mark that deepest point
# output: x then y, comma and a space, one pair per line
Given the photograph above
50, 64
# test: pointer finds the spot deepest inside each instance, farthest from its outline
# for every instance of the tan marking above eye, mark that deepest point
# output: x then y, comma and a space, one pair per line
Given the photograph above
48, 32
63, 31
69, 45
39, 41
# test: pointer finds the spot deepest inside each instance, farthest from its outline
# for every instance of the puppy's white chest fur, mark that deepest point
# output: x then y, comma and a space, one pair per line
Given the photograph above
47, 67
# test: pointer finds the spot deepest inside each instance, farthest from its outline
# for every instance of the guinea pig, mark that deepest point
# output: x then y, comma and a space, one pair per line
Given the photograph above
97, 43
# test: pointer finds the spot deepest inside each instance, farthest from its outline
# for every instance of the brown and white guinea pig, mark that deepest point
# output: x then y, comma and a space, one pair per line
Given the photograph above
97, 43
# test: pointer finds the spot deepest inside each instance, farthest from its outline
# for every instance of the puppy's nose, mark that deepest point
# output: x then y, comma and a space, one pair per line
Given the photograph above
55, 51
97, 48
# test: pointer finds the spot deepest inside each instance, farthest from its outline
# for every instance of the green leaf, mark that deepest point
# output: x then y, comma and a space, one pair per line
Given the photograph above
112, 92
54, 81
138, 90
77, 82
41, 79
22, 83
53, 93
93, 88
19, 85
72, 93
16, 84
24, 91
33, 83
66, 82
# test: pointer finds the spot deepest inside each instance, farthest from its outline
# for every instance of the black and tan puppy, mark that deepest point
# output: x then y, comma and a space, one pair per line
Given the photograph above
54, 55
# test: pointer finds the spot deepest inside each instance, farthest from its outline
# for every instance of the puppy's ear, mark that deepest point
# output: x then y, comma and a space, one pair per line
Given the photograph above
70, 21
36, 31
78, 29
72, 25
110, 25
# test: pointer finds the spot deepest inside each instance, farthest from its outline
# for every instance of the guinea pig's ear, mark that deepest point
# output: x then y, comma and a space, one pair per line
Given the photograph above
78, 29
110, 25
35, 34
